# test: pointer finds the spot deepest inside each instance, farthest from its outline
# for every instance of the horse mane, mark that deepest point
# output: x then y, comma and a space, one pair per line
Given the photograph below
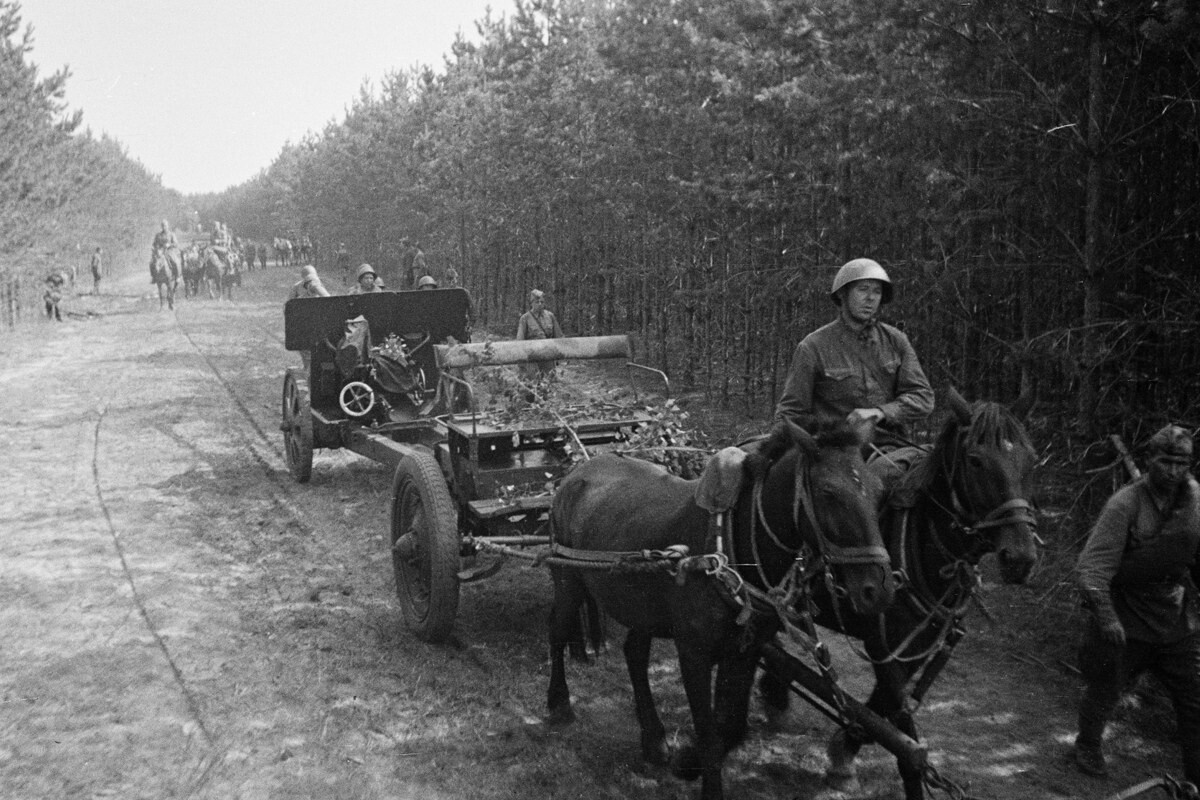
780, 440
991, 425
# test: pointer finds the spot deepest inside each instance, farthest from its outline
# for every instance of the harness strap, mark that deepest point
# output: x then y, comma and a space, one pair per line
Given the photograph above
676, 553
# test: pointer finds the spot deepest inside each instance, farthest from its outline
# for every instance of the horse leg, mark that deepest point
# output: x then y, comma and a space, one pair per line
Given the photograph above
731, 703
703, 758
776, 698
886, 700
569, 593
637, 662
594, 626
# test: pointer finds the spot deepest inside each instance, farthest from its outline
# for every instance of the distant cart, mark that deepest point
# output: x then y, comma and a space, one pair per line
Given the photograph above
384, 376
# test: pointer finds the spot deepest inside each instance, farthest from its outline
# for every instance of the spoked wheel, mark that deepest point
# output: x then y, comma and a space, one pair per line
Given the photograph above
417, 395
356, 399
297, 426
425, 547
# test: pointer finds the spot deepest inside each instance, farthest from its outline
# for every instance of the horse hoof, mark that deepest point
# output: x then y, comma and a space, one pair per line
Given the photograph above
686, 764
561, 715
776, 718
842, 775
656, 752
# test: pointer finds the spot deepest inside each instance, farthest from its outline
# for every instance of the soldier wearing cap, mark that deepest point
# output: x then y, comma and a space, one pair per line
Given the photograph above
857, 368
1137, 579
164, 240
309, 284
367, 281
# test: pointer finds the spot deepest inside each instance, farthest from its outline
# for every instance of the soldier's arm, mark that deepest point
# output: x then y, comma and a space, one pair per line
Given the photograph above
796, 403
1101, 557
914, 395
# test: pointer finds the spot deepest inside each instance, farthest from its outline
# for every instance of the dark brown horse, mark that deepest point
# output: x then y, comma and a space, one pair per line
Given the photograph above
166, 276
964, 499
810, 514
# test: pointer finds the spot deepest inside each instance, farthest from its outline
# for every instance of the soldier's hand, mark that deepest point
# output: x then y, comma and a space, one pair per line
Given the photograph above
1113, 633
861, 416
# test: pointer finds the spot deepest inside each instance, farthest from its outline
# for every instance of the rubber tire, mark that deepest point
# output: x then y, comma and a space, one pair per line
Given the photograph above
297, 426
426, 583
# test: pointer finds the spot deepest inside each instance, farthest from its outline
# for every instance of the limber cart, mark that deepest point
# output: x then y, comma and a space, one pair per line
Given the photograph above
385, 377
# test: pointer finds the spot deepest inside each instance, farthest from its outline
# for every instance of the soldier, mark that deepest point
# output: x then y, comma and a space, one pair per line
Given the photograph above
97, 271
53, 295
309, 284
367, 281
857, 368
539, 323
342, 262
1137, 578
164, 240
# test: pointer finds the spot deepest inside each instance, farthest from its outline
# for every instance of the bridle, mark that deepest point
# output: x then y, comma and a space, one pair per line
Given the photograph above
1014, 511
961, 569
807, 565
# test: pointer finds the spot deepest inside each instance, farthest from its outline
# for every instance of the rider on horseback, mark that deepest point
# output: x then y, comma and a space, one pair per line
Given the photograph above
857, 368
164, 242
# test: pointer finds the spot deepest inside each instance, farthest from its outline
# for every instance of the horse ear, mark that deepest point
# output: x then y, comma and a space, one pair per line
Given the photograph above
1024, 405
960, 407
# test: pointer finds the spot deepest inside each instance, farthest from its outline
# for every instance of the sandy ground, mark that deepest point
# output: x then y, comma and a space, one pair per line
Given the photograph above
182, 620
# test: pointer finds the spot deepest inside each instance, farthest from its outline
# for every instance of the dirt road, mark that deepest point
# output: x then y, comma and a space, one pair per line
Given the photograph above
182, 620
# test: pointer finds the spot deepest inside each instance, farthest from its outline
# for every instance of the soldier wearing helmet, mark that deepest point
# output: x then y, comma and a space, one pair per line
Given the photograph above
1137, 578
427, 282
857, 368
309, 284
367, 281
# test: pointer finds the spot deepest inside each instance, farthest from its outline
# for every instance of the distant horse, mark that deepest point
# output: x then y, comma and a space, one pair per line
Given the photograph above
193, 272
220, 273
811, 514
231, 276
166, 277
965, 498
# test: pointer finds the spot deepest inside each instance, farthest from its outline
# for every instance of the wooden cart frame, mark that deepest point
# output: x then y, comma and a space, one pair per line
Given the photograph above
460, 480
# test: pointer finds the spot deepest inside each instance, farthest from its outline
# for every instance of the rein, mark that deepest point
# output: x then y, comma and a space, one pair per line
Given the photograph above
961, 570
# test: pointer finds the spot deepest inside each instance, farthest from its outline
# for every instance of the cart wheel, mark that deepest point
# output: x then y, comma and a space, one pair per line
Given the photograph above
356, 399
425, 547
297, 426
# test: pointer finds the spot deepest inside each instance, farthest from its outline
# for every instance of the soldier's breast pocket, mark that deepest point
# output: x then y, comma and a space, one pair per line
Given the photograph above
839, 383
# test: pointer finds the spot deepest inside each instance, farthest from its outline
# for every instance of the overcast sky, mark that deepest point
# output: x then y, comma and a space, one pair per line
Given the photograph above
206, 92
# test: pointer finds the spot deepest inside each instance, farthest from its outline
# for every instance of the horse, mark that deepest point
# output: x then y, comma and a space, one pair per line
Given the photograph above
231, 276
961, 500
193, 272
166, 276
811, 513
216, 271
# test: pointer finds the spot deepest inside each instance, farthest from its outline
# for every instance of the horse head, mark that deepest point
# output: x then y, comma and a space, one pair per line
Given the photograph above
820, 489
987, 458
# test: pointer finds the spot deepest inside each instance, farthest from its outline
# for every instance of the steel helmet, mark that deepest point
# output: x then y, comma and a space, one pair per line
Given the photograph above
365, 269
308, 273
427, 280
860, 269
